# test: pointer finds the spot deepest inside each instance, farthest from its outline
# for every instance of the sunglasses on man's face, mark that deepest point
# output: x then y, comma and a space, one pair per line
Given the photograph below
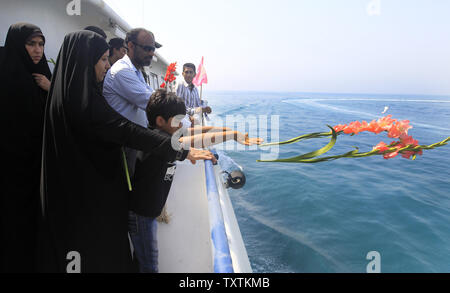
146, 48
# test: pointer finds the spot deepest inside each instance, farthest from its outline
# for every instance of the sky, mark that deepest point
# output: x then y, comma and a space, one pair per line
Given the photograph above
332, 46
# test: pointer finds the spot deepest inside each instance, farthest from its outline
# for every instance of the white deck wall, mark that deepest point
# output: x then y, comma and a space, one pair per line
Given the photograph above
185, 242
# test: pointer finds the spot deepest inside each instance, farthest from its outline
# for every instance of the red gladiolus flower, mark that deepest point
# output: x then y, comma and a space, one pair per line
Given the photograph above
403, 126
399, 128
340, 127
170, 76
390, 155
374, 127
395, 129
381, 146
394, 132
163, 85
408, 154
408, 140
364, 126
386, 122
354, 127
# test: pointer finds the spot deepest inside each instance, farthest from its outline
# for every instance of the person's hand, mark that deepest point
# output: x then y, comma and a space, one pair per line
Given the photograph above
197, 154
207, 110
42, 81
245, 140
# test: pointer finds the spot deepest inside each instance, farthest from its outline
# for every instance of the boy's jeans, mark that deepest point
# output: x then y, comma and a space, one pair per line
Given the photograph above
143, 235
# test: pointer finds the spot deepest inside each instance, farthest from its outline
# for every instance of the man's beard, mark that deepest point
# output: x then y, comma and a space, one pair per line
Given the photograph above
143, 62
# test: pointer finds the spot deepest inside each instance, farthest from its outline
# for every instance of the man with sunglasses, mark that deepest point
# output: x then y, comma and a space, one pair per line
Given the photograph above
125, 87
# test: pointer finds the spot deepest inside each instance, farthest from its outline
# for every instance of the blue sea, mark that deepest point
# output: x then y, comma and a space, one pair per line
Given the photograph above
327, 217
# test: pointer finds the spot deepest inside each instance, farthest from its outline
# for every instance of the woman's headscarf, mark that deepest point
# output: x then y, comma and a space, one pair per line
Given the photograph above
75, 87
18, 35
22, 101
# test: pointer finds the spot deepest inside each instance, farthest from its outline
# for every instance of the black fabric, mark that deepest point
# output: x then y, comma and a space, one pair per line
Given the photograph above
22, 105
84, 190
151, 184
96, 29
2, 54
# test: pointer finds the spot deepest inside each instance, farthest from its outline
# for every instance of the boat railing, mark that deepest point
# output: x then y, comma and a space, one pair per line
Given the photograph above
221, 250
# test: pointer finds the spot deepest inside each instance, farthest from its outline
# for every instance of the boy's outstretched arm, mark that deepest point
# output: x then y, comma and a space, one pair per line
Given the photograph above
211, 138
203, 129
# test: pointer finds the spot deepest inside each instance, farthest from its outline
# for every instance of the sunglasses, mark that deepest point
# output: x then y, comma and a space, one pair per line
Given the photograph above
145, 48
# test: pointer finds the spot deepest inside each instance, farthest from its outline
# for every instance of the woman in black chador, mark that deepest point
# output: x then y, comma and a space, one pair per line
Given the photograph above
24, 84
84, 187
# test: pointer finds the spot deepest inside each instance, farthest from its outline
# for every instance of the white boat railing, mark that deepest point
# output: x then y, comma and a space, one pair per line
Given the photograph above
219, 239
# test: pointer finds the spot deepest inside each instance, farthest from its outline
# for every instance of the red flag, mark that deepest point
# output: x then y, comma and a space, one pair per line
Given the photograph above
201, 76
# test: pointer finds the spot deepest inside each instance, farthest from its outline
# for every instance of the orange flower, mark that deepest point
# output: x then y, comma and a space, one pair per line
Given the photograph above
399, 128
170, 77
403, 126
339, 127
374, 127
390, 155
354, 127
408, 154
408, 140
393, 154
386, 122
364, 126
395, 129
381, 146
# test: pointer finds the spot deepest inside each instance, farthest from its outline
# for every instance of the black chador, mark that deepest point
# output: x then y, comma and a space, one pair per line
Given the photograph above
84, 188
22, 105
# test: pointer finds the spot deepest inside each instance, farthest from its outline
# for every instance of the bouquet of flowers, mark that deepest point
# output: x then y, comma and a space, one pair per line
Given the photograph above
170, 76
405, 145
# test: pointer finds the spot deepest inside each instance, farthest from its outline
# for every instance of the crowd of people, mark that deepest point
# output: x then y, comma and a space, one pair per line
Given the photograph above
88, 150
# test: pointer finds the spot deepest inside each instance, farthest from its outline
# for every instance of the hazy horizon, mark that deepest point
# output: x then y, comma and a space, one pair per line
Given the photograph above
324, 92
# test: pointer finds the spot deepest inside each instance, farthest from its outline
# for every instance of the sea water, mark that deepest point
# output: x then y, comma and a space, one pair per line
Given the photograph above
327, 217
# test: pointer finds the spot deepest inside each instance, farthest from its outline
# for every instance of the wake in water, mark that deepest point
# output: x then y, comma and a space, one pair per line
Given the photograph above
315, 103
301, 238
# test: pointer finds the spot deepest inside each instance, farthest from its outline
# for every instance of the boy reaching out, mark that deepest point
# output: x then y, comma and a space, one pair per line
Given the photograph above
153, 176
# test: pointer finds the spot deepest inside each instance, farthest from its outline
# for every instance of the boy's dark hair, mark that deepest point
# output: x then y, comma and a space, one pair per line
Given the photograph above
116, 43
165, 104
190, 65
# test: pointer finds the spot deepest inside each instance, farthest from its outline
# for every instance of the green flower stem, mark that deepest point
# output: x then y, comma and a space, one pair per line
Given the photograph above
302, 137
127, 174
313, 154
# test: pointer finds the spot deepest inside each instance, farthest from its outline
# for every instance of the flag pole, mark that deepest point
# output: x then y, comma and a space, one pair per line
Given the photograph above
201, 90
